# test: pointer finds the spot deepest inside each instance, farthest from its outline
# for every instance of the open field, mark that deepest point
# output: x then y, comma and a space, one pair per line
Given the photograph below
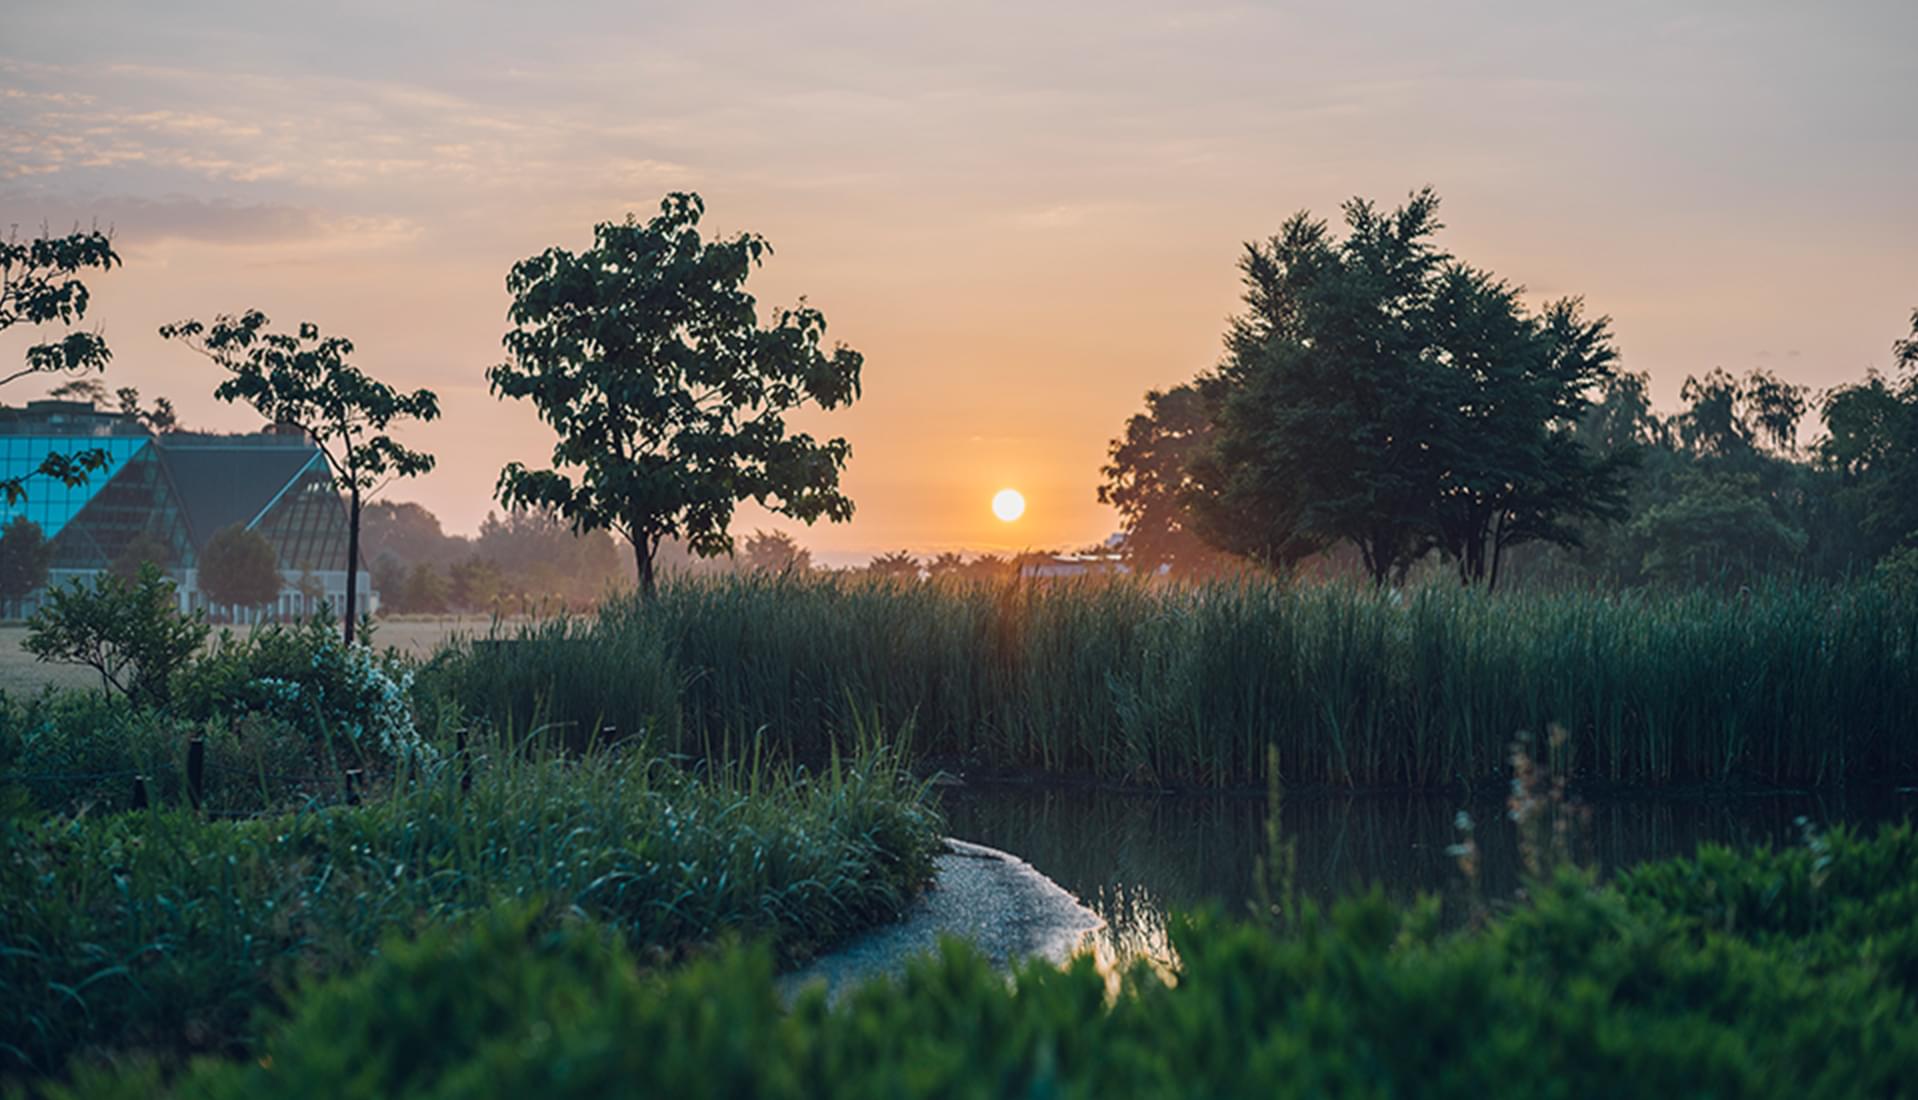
418, 637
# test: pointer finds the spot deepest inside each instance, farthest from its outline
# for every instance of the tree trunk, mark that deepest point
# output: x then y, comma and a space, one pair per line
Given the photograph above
643, 555
352, 559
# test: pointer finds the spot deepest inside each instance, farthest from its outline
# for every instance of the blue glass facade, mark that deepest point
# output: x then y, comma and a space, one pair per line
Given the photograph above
50, 503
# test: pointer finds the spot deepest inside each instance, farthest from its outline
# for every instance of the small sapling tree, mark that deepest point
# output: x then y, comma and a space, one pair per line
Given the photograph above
304, 380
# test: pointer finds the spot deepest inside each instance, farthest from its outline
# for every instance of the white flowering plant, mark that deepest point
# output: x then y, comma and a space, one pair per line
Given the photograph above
304, 676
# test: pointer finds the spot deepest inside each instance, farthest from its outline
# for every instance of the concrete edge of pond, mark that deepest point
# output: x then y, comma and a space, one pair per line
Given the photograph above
1007, 909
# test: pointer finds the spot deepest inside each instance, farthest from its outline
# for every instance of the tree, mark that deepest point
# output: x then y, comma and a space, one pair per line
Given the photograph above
304, 380
1378, 392
775, 552
1149, 481
409, 532
1515, 388
646, 355
159, 419
1871, 443
131, 632
426, 590
1326, 423
898, 565
39, 284
25, 555
1720, 528
139, 550
240, 568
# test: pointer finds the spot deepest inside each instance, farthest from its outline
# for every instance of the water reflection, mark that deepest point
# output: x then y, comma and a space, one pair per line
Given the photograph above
1134, 857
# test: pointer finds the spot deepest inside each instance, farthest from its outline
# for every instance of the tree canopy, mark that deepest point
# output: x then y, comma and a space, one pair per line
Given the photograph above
1378, 392
1149, 481
646, 355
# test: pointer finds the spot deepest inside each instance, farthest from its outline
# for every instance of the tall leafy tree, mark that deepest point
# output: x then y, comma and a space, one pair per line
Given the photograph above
1516, 387
239, 568
41, 283
1380, 393
1149, 481
303, 379
647, 356
1327, 422
1871, 442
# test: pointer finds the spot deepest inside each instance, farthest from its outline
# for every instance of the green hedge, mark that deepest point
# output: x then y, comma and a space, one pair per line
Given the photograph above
1781, 975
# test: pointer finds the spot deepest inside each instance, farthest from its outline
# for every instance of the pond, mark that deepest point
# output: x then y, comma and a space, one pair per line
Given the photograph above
1134, 857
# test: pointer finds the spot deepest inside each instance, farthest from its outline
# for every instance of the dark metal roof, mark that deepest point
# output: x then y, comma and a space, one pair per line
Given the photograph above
224, 480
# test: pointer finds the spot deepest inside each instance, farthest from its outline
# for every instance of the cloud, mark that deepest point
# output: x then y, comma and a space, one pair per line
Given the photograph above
136, 221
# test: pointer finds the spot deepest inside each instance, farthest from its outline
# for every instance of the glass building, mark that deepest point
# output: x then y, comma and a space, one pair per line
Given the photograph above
161, 499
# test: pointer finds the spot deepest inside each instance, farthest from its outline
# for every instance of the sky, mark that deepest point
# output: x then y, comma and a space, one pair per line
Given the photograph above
1024, 215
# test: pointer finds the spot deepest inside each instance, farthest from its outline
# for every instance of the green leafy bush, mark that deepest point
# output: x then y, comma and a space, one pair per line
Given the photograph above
1584, 992
130, 632
79, 752
348, 700
163, 932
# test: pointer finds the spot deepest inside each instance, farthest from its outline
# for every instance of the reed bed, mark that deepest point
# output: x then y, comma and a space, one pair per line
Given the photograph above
1192, 686
161, 932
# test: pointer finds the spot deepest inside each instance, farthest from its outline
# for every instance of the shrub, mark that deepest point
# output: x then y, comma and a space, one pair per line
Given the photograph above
1585, 992
165, 933
350, 702
131, 632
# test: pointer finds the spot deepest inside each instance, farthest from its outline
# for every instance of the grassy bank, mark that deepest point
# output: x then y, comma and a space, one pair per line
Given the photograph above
161, 932
1191, 687
1786, 974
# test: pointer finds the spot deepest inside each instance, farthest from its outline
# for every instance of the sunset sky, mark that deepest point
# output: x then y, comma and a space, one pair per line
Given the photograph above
1023, 214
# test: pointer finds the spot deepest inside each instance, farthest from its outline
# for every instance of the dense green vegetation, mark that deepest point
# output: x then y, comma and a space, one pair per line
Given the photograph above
1785, 974
1191, 686
269, 809
162, 932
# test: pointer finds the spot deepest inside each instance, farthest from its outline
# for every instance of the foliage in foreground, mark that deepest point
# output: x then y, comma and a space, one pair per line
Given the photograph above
1658, 988
1193, 685
156, 931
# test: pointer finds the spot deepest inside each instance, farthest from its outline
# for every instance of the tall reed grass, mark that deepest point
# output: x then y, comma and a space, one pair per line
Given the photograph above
1193, 686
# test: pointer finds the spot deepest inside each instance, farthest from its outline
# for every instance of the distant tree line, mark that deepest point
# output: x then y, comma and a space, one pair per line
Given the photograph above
1381, 407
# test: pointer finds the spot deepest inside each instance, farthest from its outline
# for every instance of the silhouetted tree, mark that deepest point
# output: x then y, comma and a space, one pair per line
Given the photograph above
898, 565
774, 552
305, 380
159, 419
1379, 393
1149, 481
1871, 443
669, 397
239, 568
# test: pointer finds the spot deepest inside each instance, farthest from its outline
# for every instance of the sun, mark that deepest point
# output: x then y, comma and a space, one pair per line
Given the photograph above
1008, 504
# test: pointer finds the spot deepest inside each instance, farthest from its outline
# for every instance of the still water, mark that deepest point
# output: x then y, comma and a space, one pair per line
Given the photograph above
1133, 858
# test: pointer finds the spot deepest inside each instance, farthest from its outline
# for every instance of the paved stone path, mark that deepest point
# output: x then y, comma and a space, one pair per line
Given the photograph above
1008, 910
